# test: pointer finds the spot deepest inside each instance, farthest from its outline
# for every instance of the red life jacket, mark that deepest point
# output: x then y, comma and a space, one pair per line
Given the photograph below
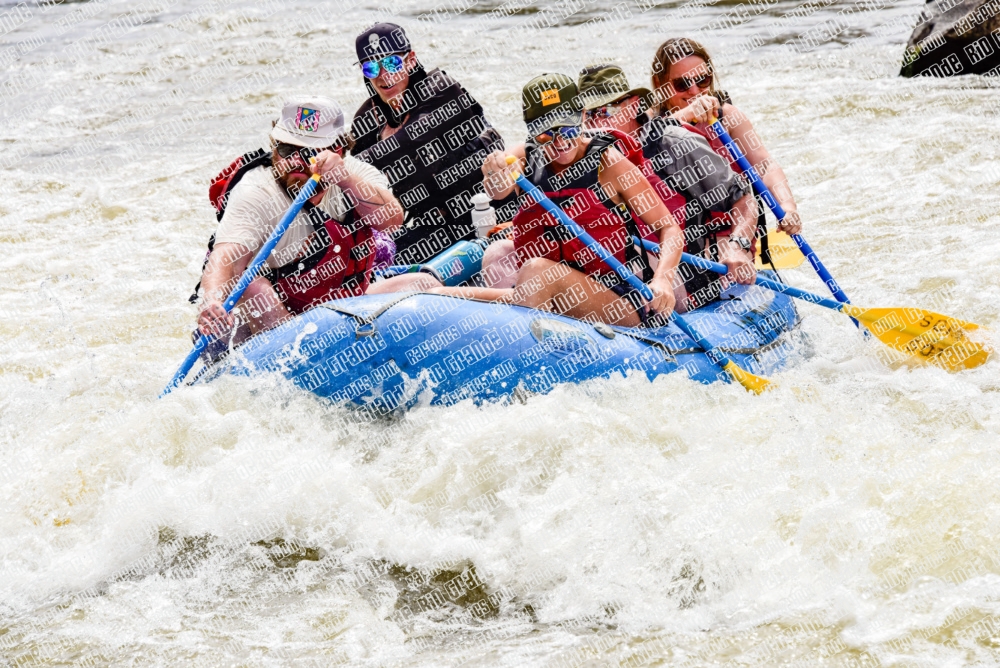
338, 258
630, 147
578, 192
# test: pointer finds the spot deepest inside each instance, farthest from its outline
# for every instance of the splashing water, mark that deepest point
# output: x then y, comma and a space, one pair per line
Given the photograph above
847, 516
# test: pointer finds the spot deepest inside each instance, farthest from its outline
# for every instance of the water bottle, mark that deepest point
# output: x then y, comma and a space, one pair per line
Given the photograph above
457, 264
484, 216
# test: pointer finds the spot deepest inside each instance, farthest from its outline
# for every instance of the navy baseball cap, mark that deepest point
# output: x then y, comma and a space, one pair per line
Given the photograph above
382, 39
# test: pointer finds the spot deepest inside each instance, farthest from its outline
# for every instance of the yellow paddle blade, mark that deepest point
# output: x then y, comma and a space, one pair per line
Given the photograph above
784, 253
752, 383
925, 335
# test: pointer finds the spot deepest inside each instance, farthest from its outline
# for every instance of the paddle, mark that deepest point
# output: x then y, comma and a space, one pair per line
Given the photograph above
931, 337
783, 251
765, 194
248, 275
753, 383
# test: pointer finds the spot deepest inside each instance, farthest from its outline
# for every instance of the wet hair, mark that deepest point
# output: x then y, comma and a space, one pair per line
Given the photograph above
673, 50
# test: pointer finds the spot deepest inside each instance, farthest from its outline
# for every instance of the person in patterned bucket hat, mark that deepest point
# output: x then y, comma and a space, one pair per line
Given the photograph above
327, 252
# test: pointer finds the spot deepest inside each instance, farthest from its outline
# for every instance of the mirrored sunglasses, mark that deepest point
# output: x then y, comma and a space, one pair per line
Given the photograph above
565, 133
390, 64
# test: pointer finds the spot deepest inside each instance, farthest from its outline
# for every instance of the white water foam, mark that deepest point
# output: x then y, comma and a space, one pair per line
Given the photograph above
851, 513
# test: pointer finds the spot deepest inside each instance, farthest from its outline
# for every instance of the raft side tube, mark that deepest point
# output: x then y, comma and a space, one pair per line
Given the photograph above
391, 351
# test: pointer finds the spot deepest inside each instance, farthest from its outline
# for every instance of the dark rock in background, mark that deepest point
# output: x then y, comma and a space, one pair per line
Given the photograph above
954, 37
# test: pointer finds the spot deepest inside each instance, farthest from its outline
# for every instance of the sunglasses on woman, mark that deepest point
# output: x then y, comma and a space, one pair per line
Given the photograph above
390, 64
683, 83
565, 133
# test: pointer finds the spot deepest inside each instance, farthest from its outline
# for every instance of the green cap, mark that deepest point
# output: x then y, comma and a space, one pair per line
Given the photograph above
602, 84
550, 101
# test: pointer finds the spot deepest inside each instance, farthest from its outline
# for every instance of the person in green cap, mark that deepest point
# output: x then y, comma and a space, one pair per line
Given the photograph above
609, 101
603, 192
719, 212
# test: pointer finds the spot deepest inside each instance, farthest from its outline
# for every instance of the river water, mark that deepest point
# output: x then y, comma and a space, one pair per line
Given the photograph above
848, 518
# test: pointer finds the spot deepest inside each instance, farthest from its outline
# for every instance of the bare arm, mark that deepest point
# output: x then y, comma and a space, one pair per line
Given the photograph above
225, 265
741, 263
629, 185
375, 205
743, 132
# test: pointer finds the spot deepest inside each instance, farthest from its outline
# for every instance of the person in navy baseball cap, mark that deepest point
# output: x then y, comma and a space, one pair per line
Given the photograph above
382, 39
425, 129
387, 62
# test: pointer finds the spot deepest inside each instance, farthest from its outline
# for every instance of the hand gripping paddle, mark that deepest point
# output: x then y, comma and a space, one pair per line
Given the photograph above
248, 275
752, 383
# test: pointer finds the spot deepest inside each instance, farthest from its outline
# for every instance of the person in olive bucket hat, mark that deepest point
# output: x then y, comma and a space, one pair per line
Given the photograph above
604, 91
603, 191
720, 211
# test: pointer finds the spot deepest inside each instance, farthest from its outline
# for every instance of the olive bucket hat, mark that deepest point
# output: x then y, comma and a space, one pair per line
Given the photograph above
550, 101
603, 84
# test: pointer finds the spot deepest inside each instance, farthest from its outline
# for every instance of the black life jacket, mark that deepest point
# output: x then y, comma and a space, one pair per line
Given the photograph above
433, 161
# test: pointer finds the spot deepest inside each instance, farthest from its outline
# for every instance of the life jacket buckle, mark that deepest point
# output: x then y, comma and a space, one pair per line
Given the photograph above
364, 329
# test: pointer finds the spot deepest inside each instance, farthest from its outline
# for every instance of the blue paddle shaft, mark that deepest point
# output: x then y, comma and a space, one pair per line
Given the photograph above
702, 263
800, 294
761, 281
612, 262
687, 258
245, 280
765, 194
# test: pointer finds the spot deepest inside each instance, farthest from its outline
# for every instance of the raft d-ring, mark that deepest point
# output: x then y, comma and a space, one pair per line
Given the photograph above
364, 329
604, 330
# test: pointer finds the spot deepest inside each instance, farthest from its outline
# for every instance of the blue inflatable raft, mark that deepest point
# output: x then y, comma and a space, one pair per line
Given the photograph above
389, 352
